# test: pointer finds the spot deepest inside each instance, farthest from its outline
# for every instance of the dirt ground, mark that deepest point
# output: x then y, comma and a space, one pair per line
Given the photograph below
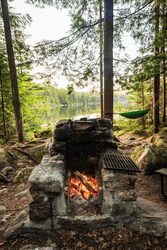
148, 187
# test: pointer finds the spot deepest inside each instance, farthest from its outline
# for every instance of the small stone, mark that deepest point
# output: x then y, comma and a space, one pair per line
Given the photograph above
2, 209
106, 246
85, 247
79, 244
5, 218
22, 193
29, 247
49, 242
3, 190
7, 171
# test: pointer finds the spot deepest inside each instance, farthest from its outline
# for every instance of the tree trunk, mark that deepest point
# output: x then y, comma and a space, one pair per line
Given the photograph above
156, 76
163, 67
108, 59
164, 89
143, 118
13, 75
101, 59
2, 102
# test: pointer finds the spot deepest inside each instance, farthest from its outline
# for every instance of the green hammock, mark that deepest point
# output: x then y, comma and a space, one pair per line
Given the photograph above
135, 114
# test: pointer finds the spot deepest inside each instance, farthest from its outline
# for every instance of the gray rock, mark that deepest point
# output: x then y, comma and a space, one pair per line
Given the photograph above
58, 157
5, 218
2, 209
62, 122
38, 151
59, 205
5, 179
45, 158
85, 222
57, 147
149, 157
23, 227
48, 177
35, 247
4, 190
39, 207
26, 191
29, 247
151, 219
103, 122
82, 136
82, 126
7, 171
63, 133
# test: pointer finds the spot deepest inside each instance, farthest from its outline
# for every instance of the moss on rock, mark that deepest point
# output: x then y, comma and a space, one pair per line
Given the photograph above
22, 175
150, 157
138, 152
38, 151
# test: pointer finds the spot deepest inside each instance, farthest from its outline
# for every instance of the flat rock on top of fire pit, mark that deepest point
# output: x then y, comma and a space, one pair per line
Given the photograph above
62, 122
82, 125
103, 122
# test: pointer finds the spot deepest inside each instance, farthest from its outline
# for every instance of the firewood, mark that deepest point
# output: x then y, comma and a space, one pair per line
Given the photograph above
87, 195
75, 189
84, 181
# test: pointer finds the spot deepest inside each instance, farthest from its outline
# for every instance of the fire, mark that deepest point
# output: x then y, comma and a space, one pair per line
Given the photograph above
85, 185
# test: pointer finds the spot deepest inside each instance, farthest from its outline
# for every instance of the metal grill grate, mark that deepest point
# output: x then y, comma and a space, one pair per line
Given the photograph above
119, 162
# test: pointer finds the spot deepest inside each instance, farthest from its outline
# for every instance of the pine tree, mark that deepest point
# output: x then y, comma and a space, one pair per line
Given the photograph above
13, 74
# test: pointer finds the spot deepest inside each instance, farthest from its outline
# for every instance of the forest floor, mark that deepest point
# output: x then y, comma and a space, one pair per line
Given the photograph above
148, 187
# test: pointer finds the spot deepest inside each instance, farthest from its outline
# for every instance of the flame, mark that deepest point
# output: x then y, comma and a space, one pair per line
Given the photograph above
77, 187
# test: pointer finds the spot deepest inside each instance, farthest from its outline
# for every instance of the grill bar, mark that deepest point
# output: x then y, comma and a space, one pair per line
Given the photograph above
119, 162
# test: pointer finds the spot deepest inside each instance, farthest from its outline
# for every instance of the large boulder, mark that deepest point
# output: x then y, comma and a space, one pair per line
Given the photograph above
149, 157
159, 139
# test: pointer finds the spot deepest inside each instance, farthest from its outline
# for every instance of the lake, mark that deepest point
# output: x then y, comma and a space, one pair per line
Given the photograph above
57, 113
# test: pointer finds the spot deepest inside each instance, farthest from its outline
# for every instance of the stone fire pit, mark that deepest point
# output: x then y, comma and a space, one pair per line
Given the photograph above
77, 146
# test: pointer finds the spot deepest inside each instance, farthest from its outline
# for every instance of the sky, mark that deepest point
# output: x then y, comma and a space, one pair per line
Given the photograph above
52, 24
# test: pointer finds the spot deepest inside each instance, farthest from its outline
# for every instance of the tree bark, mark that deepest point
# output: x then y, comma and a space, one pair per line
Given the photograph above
13, 75
143, 118
163, 67
164, 90
157, 75
2, 102
108, 59
101, 59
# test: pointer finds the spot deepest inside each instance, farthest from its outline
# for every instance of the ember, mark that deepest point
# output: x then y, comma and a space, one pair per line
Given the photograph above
83, 184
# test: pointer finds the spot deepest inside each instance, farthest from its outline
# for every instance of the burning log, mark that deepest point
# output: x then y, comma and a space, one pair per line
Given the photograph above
87, 195
75, 189
84, 181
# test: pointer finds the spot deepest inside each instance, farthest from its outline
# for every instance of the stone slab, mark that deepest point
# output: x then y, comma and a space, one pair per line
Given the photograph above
48, 177
23, 227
